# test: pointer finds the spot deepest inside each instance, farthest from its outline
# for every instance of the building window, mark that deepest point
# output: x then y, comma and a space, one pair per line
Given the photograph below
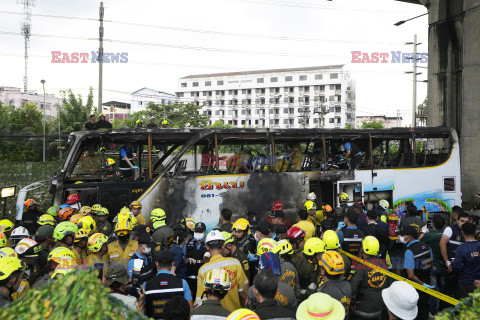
332, 87
195, 84
208, 83
285, 110
338, 87
11, 103
183, 84
333, 75
330, 120
220, 83
303, 78
243, 112
307, 89
315, 120
274, 79
180, 94
260, 80
318, 77
288, 78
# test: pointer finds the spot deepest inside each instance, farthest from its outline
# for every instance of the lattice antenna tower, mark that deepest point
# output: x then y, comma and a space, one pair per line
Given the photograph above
25, 26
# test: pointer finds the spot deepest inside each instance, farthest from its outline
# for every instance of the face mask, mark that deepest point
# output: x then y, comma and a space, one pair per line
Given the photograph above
402, 239
256, 238
124, 238
198, 236
147, 250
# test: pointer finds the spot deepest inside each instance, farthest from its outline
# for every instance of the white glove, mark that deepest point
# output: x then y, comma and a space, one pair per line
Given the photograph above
206, 255
312, 286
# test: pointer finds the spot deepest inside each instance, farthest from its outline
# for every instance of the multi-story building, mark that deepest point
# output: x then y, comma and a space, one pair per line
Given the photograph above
12, 96
141, 98
388, 122
310, 97
115, 110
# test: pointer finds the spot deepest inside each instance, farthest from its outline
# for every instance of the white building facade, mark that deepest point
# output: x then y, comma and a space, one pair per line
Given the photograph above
388, 122
311, 97
12, 96
141, 98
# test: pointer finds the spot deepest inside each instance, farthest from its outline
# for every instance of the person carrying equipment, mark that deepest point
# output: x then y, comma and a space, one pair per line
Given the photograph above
217, 283
332, 270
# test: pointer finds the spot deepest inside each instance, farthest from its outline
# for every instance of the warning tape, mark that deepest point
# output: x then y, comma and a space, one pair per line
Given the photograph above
395, 276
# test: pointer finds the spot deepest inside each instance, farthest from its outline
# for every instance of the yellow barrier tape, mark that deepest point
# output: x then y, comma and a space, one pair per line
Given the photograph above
395, 276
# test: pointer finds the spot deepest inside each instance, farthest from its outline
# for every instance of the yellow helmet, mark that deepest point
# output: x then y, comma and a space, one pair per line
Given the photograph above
136, 204
10, 265
3, 240
189, 223
60, 253
87, 223
265, 245
138, 121
158, 215
85, 210
241, 224
7, 252
165, 122
46, 219
243, 314
123, 216
313, 246
384, 204
76, 217
309, 205
330, 238
103, 212
343, 197
81, 234
370, 245
96, 241
228, 237
125, 210
217, 281
6, 225
109, 162
122, 228
333, 262
283, 247
67, 265
96, 208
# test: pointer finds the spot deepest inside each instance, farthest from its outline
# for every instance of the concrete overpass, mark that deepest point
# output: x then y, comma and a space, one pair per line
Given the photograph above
454, 78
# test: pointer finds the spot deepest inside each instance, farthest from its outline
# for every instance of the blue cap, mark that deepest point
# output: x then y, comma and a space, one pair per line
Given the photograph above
270, 261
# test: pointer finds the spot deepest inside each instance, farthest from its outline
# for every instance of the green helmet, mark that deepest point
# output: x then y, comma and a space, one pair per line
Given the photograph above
53, 211
63, 229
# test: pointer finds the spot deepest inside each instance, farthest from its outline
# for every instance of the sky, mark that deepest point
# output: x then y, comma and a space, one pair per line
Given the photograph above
166, 40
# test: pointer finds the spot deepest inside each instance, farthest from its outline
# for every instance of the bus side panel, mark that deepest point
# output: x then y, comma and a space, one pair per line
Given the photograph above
377, 180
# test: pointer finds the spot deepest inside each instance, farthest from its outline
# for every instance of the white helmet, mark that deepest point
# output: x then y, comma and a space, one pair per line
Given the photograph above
19, 233
384, 204
22, 248
215, 236
311, 196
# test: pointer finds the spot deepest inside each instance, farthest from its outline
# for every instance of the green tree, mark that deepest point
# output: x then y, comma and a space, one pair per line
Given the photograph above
178, 115
220, 124
372, 124
26, 119
4, 118
74, 114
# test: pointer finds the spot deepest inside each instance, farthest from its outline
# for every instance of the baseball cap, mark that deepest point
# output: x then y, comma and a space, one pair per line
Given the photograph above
409, 231
163, 256
263, 227
145, 239
141, 229
200, 227
277, 214
270, 261
401, 299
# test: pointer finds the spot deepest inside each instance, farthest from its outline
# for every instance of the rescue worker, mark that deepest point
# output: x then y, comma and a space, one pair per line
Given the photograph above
164, 286
195, 256
163, 234
73, 201
121, 251
17, 235
44, 236
289, 275
102, 124
87, 223
341, 210
53, 211
412, 219
231, 250
80, 245
332, 270
305, 223
353, 152
178, 243
280, 232
237, 294
314, 216
64, 234
224, 220
6, 226
30, 216
126, 157
139, 123
217, 283
27, 251
46, 219
90, 125
296, 237
103, 225
144, 253
307, 266
418, 259
65, 214
152, 123
109, 174
246, 242
136, 209
11, 273
97, 246
332, 243
350, 237
367, 284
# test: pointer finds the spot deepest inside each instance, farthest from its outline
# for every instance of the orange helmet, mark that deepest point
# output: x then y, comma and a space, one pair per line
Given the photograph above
30, 202
65, 213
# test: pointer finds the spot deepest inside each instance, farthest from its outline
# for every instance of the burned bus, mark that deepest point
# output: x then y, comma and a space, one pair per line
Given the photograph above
195, 172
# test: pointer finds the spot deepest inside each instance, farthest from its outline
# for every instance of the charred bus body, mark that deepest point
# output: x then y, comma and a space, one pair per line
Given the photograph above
196, 172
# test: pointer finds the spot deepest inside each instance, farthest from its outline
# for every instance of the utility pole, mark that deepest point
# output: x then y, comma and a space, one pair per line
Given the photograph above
26, 32
414, 72
100, 61
398, 118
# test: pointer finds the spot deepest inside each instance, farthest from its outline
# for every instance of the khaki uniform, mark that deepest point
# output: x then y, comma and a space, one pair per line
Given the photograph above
116, 255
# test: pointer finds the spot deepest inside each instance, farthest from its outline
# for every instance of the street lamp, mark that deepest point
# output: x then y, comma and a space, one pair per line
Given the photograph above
399, 23
43, 85
268, 108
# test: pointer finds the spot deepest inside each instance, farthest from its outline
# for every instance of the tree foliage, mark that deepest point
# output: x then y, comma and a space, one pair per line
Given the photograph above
74, 114
372, 124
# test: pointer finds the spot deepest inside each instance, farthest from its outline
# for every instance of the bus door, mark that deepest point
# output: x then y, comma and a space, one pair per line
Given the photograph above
354, 189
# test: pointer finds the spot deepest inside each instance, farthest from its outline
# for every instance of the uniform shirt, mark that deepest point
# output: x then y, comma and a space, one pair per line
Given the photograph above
284, 296
116, 255
319, 217
91, 259
162, 235
412, 221
22, 290
305, 269
290, 276
227, 227
79, 255
432, 239
141, 219
179, 260
409, 259
103, 124
467, 262
237, 277
340, 290
148, 271
187, 295
209, 310
90, 126
243, 258
270, 310
308, 227
104, 227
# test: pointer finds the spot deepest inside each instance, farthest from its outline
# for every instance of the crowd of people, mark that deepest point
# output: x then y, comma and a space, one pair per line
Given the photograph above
251, 267
103, 124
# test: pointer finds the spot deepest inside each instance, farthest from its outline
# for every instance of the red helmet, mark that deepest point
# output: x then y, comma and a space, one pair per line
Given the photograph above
295, 233
72, 198
30, 202
277, 205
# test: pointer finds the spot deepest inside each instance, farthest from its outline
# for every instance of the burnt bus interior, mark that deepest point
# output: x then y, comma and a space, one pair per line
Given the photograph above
192, 151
